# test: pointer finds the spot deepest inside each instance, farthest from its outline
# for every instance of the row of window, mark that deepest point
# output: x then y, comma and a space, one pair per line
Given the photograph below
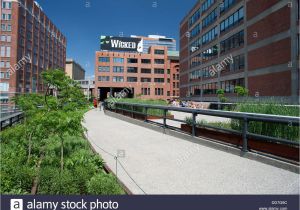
6, 5
237, 64
211, 88
226, 4
6, 16
130, 60
5, 38
5, 27
232, 42
210, 35
130, 79
204, 72
195, 31
196, 16
120, 69
232, 20
4, 64
206, 4
4, 75
209, 19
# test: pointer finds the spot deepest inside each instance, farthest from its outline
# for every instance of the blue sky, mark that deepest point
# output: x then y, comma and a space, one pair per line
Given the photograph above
83, 21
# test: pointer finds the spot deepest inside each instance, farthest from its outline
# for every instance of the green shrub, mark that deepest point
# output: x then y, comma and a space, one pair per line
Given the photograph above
104, 184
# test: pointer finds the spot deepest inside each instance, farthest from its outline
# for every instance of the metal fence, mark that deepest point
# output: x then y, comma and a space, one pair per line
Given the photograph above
11, 120
245, 118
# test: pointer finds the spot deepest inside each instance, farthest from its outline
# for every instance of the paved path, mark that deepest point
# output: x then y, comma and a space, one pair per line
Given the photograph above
162, 164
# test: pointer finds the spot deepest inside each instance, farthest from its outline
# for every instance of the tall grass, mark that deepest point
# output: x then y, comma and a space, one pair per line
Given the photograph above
285, 131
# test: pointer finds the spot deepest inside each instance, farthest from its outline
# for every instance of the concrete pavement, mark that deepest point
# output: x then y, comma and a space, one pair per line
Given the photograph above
162, 164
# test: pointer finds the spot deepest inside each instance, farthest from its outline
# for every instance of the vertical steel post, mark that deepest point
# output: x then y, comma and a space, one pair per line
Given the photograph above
194, 125
245, 131
146, 114
165, 118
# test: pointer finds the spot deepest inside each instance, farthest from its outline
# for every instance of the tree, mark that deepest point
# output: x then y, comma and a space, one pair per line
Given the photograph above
53, 115
241, 91
221, 95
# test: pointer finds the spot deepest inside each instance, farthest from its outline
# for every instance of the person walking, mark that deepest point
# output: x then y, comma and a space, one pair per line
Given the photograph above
100, 105
95, 103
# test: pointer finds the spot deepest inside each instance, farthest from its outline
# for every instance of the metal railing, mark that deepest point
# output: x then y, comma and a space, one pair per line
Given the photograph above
242, 116
11, 120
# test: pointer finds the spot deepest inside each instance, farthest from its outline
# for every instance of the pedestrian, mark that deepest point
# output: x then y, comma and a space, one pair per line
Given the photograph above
95, 103
100, 106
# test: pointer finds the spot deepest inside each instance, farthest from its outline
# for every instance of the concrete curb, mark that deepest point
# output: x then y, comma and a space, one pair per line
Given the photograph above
210, 143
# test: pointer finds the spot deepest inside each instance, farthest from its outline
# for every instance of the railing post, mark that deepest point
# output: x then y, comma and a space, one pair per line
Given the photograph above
10, 122
165, 118
245, 131
194, 125
132, 111
146, 114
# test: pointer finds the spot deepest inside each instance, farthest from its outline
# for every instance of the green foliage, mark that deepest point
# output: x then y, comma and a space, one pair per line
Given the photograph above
241, 91
221, 95
284, 131
104, 184
48, 146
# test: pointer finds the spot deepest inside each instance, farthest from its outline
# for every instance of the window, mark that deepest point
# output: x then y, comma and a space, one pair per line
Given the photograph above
104, 59
118, 60
8, 28
226, 4
132, 70
210, 35
118, 79
210, 53
131, 79
196, 60
159, 91
103, 69
7, 64
195, 45
206, 4
132, 60
2, 64
159, 71
146, 61
145, 91
232, 20
118, 69
145, 71
3, 38
8, 38
159, 52
4, 86
159, 80
210, 18
159, 61
2, 51
195, 31
3, 27
144, 79
2, 75
103, 78
232, 42
195, 17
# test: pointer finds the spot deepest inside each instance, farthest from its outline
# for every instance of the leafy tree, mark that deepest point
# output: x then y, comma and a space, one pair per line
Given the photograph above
221, 95
241, 91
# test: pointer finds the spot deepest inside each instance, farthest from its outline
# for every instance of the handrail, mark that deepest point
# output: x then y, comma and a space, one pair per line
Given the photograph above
245, 117
225, 114
12, 119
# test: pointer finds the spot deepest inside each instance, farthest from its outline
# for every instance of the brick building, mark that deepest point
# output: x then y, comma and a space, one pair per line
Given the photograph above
153, 73
74, 70
30, 43
259, 39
